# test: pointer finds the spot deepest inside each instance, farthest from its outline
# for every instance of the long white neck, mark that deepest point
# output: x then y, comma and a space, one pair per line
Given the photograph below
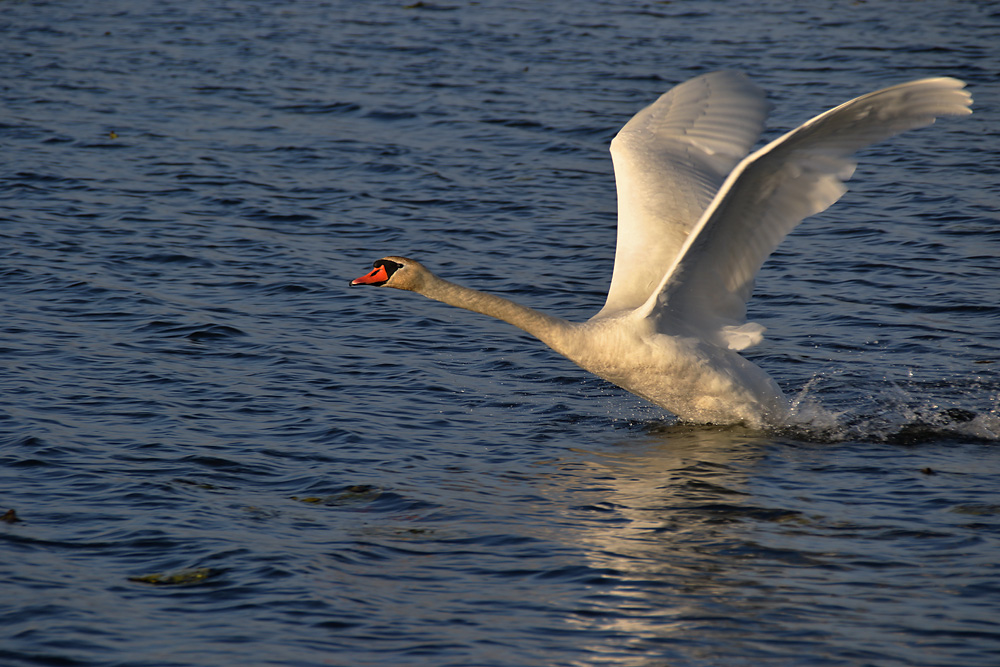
552, 331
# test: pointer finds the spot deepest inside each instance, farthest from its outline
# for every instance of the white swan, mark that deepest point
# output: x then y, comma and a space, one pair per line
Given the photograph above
697, 217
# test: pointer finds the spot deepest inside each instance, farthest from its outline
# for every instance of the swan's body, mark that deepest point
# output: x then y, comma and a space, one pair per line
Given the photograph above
696, 220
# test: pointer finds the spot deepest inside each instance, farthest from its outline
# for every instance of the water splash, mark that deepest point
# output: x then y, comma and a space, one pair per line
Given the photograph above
895, 414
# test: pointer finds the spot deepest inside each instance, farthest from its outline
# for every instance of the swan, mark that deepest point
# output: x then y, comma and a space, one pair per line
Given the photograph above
698, 214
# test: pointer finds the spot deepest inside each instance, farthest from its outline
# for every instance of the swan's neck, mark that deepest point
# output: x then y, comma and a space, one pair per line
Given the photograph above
552, 331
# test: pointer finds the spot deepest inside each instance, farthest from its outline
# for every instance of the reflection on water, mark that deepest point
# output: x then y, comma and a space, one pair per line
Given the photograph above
721, 542
218, 453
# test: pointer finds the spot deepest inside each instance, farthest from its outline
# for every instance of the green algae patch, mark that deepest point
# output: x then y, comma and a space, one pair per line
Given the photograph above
191, 577
352, 495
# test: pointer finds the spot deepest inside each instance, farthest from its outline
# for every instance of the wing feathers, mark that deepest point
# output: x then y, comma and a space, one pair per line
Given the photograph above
670, 160
771, 191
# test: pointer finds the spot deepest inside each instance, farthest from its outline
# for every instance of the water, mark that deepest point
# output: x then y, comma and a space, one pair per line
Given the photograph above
220, 455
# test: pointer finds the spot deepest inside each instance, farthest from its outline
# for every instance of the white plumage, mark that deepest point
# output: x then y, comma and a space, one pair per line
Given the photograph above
697, 217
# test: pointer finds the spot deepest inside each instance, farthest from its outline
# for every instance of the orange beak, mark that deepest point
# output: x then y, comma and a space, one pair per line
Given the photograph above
377, 277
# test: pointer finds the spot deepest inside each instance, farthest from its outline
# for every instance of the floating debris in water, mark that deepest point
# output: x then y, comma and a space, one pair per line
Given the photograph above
977, 509
198, 485
179, 578
358, 493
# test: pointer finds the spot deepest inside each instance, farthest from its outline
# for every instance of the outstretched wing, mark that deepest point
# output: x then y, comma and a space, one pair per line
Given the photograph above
801, 173
670, 160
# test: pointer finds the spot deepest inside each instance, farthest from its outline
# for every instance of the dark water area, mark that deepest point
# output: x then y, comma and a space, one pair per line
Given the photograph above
215, 453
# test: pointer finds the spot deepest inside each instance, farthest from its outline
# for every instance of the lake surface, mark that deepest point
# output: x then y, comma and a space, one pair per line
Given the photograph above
221, 455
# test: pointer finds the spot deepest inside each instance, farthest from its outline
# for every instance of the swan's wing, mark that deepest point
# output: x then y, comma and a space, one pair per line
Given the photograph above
670, 160
769, 193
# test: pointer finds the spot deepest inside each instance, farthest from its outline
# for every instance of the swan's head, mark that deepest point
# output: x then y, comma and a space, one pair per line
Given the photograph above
398, 272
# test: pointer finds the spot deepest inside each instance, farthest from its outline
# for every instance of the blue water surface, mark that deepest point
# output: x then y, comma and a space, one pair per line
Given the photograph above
214, 453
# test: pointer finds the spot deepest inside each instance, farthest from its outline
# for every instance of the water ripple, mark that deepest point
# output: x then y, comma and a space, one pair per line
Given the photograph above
205, 435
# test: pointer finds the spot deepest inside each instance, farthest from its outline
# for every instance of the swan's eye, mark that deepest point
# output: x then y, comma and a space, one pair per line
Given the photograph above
390, 266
